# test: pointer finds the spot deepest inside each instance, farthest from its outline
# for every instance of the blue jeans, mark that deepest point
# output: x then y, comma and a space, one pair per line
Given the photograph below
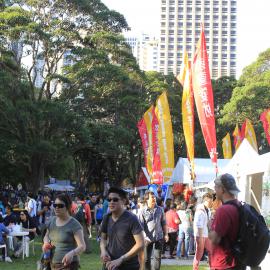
184, 235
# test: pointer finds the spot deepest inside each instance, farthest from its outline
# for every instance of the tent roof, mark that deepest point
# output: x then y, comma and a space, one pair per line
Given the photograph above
58, 187
204, 170
244, 158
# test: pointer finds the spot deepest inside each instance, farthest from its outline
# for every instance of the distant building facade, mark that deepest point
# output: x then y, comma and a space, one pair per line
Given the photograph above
146, 50
180, 30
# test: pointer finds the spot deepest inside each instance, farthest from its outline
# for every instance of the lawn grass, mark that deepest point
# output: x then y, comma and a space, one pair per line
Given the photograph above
88, 261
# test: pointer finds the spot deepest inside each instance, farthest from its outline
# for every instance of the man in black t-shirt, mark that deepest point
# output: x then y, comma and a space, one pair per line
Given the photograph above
121, 235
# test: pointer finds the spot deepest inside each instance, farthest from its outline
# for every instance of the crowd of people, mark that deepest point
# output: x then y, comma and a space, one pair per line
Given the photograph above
133, 233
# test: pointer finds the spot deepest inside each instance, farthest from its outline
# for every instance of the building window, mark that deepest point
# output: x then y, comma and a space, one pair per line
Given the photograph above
233, 40
172, 9
171, 24
233, 17
162, 62
224, 10
171, 17
198, 17
171, 47
171, 39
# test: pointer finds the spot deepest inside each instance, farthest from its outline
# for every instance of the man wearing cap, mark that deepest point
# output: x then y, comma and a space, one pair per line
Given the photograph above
225, 225
152, 218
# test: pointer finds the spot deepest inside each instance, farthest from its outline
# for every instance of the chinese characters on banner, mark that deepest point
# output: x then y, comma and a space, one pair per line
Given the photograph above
165, 136
203, 95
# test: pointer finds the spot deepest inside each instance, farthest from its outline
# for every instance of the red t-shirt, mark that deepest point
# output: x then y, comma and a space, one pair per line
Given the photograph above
225, 224
171, 216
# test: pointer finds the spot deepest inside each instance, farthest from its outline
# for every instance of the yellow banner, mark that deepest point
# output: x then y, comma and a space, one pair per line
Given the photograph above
181, 77
148, 117
227, 146
188, 111
165, 136
250, 134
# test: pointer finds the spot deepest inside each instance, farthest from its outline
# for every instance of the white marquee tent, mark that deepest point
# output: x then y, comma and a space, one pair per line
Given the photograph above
204, 170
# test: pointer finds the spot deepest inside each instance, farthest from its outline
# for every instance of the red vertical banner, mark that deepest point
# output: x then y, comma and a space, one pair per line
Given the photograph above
203, 95
157, 175
144, 138
265, 118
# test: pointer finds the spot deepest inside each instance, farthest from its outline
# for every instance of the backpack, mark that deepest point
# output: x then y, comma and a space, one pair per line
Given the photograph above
253, 236
80, 213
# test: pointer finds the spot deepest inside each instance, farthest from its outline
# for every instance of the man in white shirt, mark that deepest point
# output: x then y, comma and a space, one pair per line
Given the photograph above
31, 205
201, 223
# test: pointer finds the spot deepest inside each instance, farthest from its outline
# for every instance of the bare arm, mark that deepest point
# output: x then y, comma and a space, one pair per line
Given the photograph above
139, 245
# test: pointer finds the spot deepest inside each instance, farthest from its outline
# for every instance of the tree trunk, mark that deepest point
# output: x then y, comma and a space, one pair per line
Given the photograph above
36, 177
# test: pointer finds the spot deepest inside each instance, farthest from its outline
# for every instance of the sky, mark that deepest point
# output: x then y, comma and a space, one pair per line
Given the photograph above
253, 24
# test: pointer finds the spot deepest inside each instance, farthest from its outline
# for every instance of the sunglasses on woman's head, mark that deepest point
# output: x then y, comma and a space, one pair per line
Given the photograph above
59, 205
113, 199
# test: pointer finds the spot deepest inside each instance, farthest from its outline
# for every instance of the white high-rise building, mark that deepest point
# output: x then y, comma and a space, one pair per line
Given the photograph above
180, 30
146, 51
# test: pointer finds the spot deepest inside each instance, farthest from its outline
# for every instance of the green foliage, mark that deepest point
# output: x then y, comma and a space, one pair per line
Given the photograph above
250, 98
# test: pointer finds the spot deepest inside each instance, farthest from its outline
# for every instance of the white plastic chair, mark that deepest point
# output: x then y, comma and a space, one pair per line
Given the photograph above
5, 247
27, 247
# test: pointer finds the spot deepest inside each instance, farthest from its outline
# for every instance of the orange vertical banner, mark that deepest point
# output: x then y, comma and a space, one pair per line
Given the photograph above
237, 137
165, 136
203, 95
188, 110
227, 146
265, 118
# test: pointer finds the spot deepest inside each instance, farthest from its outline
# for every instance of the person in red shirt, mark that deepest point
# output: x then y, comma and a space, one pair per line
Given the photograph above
224, 227
87, 215
172, 221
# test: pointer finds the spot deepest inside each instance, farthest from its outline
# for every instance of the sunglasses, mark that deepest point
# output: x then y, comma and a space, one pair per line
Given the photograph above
59, 205
22, 214
113, 199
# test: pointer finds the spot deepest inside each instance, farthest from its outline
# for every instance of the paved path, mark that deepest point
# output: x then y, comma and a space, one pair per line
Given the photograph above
181, 261
265, 265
